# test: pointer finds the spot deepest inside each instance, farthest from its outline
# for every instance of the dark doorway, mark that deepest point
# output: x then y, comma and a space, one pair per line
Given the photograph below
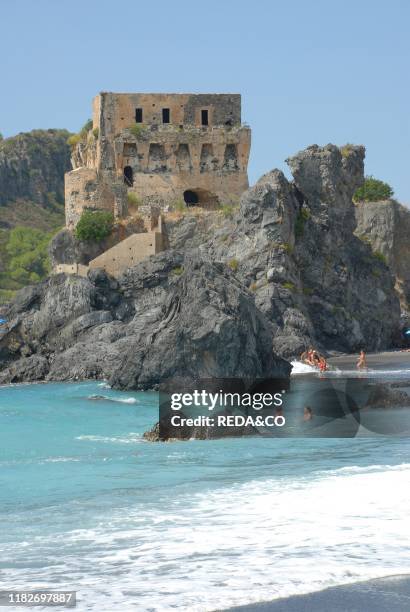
204, 117
128, 176
165, 115
190, 197
138, 115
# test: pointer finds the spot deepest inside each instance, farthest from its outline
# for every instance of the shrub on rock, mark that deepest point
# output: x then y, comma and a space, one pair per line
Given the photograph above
94, 226
373, 190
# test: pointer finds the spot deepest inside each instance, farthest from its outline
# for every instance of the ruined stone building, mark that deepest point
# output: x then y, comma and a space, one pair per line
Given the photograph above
156, 152
167, 149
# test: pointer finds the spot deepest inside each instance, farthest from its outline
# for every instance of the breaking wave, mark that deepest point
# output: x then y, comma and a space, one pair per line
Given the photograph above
106, 398
298, 367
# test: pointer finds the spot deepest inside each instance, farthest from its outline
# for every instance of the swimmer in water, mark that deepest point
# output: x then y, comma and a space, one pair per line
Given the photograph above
307, 413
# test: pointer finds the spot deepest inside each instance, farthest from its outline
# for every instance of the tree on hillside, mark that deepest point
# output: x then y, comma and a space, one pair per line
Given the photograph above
27, 250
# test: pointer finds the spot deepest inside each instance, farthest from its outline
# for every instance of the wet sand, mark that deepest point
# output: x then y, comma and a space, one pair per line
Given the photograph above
391, 594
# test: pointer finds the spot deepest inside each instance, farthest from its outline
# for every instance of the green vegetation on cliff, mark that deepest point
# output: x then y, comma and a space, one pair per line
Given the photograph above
24, 259
27, 252
32, 168
373, 190
94, 225
301, 219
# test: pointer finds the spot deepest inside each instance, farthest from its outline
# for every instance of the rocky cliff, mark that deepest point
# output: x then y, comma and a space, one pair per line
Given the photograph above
293, 245
386, 227
230, 297
172, 315
32, 167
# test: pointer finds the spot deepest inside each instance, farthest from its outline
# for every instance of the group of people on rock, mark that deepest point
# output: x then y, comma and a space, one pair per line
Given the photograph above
313, 358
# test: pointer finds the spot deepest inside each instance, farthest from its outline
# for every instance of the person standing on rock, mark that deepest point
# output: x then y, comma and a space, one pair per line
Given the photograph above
361, 362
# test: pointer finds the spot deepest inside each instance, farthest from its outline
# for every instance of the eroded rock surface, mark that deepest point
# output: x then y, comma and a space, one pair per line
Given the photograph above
171, 315
386, 226
294, 246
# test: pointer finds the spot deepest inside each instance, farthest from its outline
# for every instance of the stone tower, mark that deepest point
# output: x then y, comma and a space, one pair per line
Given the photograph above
167, 149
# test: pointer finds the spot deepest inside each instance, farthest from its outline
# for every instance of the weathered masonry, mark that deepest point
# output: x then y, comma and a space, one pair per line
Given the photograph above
168, 150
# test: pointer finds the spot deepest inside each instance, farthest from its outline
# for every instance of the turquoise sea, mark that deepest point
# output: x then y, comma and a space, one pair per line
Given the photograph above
87, 505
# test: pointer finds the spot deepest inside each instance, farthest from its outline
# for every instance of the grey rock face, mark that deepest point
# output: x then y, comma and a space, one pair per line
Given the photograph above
26, 369
32, 165
294, 246
180, 315
384, 396
327, 177
386, 226
208, 326
65, 249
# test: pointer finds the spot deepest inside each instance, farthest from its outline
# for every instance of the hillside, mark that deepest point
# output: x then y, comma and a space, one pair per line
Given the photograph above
32, 167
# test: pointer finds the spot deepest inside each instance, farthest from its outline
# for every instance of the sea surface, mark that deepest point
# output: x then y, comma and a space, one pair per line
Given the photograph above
87, 505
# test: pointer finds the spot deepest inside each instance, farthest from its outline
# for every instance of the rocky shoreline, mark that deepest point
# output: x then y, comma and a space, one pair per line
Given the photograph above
235, 294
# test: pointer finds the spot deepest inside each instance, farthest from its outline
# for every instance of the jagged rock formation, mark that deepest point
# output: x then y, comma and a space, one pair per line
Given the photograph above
293, 245
386, 226
170, 315
229, 295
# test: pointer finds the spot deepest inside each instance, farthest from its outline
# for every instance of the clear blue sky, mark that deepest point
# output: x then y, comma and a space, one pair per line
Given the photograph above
309, 72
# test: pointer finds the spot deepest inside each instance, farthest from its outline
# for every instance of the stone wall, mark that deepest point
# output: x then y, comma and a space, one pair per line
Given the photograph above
76, 268
113, 112
213, 161
129, 252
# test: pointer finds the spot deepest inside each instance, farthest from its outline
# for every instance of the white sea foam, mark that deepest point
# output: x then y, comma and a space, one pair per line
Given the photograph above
368, 373
237, 545
298, 367
104, 385
130, 438
126, 400
108, 398
59, 460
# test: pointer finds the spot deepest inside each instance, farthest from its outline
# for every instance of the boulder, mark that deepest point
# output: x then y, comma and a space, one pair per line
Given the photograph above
384, 396
26, 369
